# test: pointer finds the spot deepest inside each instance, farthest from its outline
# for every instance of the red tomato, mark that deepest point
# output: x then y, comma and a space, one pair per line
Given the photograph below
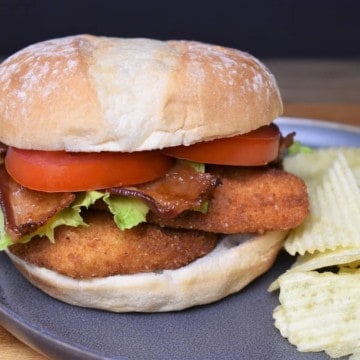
55, 171
257, 147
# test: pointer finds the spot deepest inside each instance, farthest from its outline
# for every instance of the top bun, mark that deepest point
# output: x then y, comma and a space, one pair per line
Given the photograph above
87, 93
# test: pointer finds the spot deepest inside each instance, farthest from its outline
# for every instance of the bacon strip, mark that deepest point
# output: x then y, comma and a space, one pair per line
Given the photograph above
285, 143
3, 148
182, 188
25, 210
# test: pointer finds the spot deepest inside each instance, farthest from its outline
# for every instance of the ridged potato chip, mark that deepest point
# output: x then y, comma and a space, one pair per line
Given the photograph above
334, 219
320, 311
320, 260
346, 259
311, 167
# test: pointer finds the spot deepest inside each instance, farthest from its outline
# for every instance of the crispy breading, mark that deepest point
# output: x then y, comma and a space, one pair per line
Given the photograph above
249, 200
103, 250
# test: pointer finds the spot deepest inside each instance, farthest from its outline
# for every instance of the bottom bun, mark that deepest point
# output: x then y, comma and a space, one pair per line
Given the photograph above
234, 263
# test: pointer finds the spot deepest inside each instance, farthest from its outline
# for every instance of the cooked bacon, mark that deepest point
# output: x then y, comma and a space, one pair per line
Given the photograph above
182, 188
3, 149
285, 142
24, 209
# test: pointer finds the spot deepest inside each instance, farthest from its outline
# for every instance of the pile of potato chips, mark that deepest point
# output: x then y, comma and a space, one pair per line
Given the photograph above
320, 295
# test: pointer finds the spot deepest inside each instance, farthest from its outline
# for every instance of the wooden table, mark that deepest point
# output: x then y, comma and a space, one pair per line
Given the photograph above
320, 89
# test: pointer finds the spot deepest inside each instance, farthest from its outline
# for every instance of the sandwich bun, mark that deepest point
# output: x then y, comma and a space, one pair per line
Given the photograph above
89, 94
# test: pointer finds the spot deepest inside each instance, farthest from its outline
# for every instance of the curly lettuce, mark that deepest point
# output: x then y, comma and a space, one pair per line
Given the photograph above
5, 239
298, 147
128, 212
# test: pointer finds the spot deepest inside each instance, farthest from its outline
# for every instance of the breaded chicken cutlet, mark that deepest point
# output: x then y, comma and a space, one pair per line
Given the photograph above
251, 200
101, 250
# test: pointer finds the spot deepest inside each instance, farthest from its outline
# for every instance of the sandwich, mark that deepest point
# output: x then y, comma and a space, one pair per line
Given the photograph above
142, 175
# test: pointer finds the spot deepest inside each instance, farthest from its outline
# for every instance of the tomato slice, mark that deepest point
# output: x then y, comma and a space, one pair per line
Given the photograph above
255, 148
55, 171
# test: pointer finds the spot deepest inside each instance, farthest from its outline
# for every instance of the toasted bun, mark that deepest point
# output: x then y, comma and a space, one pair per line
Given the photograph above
235, 262
87, 93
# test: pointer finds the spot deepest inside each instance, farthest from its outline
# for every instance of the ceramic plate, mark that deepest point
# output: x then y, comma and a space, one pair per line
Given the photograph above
238, 327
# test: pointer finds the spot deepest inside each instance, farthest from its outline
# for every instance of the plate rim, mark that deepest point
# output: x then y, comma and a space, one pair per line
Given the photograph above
308, 122
17, 321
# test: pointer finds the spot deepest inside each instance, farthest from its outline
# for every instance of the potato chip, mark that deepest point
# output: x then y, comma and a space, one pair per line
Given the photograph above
347, 259
355, 356
311, 167
334, 218
320, 311
319, 260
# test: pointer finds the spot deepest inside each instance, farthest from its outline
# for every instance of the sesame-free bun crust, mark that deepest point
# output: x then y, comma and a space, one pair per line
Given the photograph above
87, 93
234, 263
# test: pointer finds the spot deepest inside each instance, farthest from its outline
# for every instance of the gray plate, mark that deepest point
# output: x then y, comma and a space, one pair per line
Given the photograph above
238, 327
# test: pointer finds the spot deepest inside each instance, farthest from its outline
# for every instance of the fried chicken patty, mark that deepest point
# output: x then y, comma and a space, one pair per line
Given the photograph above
101, 249
251, 200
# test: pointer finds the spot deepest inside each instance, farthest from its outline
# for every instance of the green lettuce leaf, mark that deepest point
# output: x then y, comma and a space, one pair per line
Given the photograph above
68, 217
86, 198
128, 212
297, 147
5, 240
203, 208
199, 167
